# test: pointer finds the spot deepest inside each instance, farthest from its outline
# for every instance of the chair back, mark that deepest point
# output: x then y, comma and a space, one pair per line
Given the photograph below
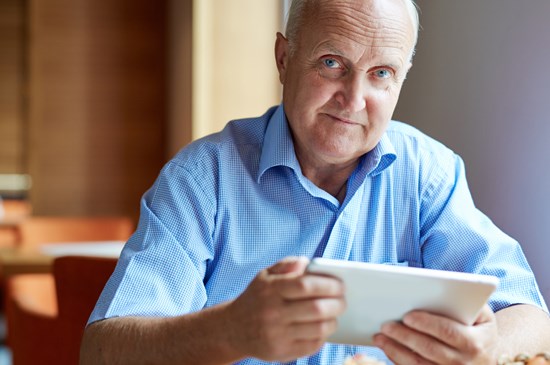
79, 281
34, 231
38, 334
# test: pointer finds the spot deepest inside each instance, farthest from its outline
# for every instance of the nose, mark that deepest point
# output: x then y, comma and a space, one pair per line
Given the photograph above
352, 94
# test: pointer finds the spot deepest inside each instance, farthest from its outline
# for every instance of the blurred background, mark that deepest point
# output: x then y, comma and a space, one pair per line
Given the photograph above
96, 95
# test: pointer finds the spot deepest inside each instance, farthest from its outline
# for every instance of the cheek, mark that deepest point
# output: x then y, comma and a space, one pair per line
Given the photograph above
381, 104
316, 91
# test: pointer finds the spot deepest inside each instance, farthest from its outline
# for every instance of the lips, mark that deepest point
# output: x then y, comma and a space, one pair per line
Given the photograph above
342, 119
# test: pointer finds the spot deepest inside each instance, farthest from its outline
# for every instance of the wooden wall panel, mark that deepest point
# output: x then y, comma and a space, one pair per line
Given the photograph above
180, 128
11, 86
97, 104
234, 72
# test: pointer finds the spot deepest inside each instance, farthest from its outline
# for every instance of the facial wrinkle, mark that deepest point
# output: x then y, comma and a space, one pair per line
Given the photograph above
366, 30
347, 22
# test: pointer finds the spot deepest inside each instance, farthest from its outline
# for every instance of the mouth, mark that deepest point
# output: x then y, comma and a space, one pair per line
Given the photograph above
341, 119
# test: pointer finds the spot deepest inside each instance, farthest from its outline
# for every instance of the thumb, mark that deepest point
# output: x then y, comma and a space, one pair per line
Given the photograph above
486, 315
291, 264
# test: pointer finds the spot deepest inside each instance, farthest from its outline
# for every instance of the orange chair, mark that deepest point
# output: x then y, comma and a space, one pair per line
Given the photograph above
50, 331
37, 291
14, 211
34, 230
16, 208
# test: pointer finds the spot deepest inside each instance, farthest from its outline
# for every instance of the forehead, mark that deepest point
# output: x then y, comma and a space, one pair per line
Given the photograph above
375, 26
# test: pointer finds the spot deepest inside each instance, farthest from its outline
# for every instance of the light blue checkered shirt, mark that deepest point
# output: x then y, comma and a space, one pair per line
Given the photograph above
233, 203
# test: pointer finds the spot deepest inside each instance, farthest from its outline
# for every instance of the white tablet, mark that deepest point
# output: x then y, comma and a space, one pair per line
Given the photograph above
378, 293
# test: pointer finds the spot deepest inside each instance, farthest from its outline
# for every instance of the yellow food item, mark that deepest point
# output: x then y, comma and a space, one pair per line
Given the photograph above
524, 359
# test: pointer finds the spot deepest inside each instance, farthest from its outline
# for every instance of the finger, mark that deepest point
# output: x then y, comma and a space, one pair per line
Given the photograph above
316, 330
291, 264
309, 286
451, 332
398, 353
313, 310
486, 315
419, 343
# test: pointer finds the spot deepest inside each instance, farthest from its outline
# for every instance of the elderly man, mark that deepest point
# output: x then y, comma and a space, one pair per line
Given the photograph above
324, 174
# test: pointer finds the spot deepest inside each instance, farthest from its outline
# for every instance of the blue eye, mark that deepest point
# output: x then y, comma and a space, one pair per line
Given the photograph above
331, 63
382, 73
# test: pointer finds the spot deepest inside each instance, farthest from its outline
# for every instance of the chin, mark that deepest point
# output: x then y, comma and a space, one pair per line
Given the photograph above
339, 155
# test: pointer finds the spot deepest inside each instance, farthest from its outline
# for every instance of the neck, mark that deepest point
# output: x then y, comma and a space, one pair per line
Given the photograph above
333, 180
327, 175
341, 194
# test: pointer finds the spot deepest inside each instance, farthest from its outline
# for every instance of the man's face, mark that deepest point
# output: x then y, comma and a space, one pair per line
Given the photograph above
343, 79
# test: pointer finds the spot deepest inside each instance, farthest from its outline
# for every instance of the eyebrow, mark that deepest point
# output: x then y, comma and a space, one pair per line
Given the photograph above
328, 47
332, 50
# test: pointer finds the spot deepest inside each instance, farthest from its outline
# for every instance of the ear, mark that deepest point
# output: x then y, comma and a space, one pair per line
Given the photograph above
281, 56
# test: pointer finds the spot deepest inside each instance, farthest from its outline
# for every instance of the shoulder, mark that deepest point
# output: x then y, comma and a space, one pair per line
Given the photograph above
411, 143
423, 161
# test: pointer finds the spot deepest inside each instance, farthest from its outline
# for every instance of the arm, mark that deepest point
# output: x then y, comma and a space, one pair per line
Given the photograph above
198, 338
523, 328
282, 315
429, 339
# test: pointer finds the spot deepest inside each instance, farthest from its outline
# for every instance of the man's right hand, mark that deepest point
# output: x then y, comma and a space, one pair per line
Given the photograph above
285, 313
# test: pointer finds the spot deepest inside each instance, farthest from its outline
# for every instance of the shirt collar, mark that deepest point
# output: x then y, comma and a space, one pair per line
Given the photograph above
380, 157
278, 149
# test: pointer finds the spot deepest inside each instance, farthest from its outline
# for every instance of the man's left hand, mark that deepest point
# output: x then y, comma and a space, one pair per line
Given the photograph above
425, 338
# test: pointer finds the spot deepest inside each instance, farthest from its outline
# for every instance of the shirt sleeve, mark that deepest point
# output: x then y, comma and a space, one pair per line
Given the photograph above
456, 236
162, 267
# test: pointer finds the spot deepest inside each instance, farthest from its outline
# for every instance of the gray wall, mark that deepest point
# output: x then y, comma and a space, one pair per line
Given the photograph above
481, 84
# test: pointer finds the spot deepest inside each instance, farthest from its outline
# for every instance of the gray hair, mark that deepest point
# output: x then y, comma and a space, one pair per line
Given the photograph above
296, 19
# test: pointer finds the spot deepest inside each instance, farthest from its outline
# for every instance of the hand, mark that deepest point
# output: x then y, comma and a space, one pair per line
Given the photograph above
285, 314
424, 338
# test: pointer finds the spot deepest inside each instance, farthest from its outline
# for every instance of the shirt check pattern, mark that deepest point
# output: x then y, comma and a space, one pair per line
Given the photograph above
233, 203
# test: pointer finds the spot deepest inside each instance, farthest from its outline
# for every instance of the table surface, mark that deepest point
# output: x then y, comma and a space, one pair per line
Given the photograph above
16, 261
88, 248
